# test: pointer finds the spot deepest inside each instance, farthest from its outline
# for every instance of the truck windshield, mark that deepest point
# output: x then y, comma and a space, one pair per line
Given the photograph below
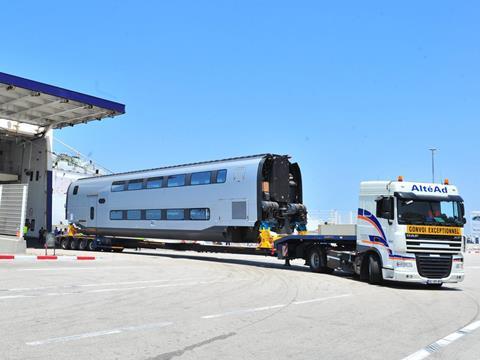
426, 212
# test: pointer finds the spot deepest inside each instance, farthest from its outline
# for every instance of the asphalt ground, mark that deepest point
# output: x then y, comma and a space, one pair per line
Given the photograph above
174, 305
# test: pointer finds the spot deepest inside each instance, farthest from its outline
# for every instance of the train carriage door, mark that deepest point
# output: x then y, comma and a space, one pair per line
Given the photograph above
223, 216
238, 208
92, 210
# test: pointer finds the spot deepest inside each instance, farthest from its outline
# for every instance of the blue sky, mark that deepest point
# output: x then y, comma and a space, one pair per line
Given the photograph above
352, 90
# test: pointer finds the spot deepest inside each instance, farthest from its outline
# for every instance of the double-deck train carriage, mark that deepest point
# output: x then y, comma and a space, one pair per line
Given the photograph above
223, 200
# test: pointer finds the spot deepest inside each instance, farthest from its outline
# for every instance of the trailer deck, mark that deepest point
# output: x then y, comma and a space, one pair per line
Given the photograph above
287, 247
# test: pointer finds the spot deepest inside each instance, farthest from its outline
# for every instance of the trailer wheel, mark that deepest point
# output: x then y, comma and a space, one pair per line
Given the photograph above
82, 245
73, 244
65, 244
91, 245
318, 260
374, 270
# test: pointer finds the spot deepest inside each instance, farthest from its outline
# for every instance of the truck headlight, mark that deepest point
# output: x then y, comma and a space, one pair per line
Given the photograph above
404, 264
459, 266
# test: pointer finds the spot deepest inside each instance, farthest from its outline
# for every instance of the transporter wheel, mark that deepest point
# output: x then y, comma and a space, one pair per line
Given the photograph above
374, 270
65, 243
317, 260
82, 245
91, 245
74, 244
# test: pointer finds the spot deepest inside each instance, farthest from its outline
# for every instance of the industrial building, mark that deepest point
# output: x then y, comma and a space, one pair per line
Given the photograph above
29, 112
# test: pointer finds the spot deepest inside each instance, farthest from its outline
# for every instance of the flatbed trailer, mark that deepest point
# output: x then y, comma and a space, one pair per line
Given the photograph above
319, 251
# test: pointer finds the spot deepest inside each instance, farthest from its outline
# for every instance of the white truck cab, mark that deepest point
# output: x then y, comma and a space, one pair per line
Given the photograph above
412, 231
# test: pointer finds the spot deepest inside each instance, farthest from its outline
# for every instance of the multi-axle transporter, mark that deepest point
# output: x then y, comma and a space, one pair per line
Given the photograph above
405, 231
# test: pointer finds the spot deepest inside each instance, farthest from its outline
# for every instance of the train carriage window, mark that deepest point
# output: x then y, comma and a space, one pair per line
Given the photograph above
116, 215
176, 180
118, 186
154, 183
153, 214
75, 190
221, 176
201, 178
135, 184
175, 214
199, 214
134, 214
92, 213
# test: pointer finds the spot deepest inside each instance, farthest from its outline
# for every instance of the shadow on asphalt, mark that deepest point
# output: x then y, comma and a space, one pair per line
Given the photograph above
280, 266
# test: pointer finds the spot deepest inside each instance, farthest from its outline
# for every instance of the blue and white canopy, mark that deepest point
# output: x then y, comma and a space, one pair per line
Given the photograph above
50, 107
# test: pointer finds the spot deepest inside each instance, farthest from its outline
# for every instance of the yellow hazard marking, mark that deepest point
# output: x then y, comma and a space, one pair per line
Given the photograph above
434, 230
265, 239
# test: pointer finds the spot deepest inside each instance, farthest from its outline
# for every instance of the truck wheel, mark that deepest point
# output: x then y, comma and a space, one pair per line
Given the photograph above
317, 260
73, 244
374, 270
65, 244
82, 245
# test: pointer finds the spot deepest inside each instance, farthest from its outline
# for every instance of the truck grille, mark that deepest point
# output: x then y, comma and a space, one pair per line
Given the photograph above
434, 267
432, 244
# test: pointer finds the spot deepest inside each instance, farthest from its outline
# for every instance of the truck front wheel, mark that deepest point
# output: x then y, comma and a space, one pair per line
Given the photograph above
318, 260
374, 270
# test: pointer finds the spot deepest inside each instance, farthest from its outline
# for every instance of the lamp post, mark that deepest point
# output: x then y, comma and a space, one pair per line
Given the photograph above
433, 163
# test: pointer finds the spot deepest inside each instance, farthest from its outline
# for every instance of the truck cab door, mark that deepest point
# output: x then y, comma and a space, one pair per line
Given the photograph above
385, 215
374, 219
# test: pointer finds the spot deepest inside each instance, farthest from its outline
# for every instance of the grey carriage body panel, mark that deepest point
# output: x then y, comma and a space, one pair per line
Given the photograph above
201, 209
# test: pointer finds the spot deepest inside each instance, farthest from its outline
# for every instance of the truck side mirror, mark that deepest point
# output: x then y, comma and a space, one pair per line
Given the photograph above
385, 207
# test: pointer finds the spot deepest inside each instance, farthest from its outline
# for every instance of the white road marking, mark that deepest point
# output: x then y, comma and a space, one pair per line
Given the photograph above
320, 299
14, 297
82, 268
471, 327
95, 284
418, 355
264, 308
190, 283
445, 341
244, 311
97, 333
